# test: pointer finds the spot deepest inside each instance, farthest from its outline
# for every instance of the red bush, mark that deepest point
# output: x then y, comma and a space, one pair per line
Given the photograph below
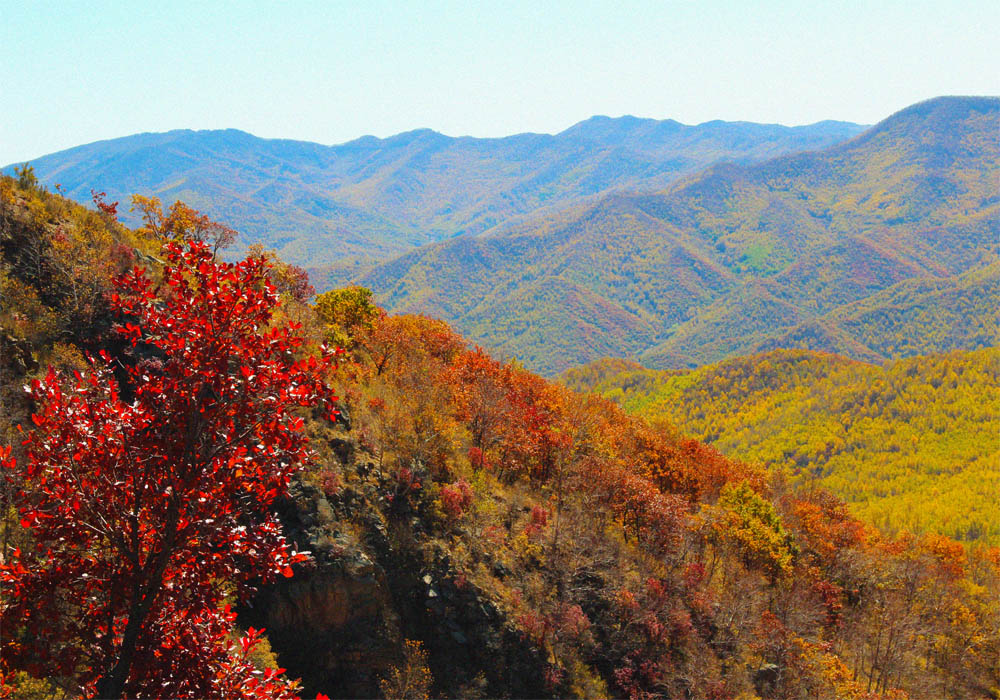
456, 499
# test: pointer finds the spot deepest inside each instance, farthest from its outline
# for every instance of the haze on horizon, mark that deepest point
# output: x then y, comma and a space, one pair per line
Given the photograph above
331, 72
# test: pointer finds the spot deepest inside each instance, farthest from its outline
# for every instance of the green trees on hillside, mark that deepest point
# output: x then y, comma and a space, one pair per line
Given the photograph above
733, 260
348, 314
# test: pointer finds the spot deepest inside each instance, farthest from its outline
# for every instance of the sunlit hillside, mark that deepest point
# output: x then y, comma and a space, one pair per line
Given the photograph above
726, 262
912, 445
462, 527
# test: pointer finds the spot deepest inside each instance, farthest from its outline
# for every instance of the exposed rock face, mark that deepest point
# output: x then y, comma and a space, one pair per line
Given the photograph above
15, 355
333, 623
471, 644
340, 622
334, 626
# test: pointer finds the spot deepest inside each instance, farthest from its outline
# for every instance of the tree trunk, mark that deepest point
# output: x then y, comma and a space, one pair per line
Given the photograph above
112, 684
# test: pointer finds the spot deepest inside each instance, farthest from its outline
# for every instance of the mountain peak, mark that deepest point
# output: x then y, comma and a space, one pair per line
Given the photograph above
601, 127
939, 113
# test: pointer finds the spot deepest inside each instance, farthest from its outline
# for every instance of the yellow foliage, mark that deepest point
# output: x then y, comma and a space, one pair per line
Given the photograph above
911, 445
411, 680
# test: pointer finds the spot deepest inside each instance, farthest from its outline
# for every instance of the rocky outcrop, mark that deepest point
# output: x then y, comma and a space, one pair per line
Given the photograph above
15, 355
333, 624
377, 579
469, 639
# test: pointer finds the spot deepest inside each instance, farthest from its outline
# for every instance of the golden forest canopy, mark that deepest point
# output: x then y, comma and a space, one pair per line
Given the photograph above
912, 444
487, 532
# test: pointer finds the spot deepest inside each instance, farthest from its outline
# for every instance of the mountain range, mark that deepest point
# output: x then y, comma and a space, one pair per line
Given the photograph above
817, 249
674, 245
343, 208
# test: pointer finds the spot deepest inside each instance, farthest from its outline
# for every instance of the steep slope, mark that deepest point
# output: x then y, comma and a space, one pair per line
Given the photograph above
928, 314
369, 199
727, 326
910, 445
475, 530
771, 245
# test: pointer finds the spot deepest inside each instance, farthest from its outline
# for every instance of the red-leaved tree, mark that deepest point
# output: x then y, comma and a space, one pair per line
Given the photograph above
148, 500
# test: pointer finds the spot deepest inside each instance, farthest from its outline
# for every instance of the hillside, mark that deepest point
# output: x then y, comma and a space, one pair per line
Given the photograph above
914, 316
343, 207
465, 527
935, 314
725, 261
912, 444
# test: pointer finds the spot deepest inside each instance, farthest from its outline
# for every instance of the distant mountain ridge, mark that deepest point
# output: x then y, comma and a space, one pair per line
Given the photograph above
371, 199
728, 261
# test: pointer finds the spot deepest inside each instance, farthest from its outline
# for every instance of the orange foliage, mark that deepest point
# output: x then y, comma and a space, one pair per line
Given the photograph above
791, 568
824, 525
949, 555
181, 223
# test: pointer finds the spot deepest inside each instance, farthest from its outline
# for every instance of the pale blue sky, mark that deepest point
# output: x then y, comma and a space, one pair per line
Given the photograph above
75, 72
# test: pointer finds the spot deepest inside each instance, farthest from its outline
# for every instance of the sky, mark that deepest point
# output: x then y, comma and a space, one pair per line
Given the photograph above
74, 72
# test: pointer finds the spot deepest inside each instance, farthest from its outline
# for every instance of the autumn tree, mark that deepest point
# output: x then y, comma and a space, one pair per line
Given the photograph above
181, 223
348, 314
290, 281
750, 522
26, 178
148, 495
402, 362
480, 386
412, 678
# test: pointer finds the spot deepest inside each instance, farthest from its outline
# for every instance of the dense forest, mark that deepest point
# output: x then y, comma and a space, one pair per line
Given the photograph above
911, 444
451, 526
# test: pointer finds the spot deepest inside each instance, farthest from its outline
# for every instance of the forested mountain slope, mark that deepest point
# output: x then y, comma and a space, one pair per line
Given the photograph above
913, 444
371, 198
927, 314
723, 262
474, 530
